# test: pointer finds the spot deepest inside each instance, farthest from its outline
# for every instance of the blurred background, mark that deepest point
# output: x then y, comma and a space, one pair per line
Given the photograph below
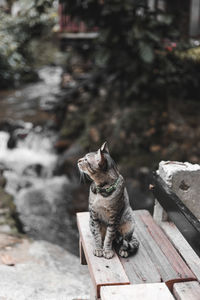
74, 74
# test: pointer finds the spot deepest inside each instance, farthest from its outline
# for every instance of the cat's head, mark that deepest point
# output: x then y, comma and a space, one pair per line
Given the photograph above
97, 163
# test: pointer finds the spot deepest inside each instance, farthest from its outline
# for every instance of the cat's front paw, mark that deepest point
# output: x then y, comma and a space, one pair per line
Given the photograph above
98, 252
108, 253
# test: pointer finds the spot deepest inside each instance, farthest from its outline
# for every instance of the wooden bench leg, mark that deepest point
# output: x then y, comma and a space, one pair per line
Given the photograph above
93, 295
159, 214
82, 254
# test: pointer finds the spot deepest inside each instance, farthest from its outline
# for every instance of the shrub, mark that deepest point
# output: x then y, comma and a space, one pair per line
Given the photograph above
132, 52
16, 32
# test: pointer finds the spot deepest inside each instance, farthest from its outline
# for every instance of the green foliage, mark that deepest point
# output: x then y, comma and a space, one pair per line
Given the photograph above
130, 51
138, 99
16, 32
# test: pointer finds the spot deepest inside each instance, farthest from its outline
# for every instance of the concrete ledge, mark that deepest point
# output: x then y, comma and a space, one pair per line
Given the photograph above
184, 181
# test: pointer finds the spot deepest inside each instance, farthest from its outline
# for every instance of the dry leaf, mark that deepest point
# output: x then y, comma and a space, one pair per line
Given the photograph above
7, 260
150, 132
94, 134
155, 148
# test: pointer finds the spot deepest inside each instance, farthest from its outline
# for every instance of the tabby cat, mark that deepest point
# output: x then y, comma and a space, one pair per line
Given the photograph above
111, 216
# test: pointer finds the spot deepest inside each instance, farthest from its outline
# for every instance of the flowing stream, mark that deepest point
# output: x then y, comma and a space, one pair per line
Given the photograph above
28, 160
30, 102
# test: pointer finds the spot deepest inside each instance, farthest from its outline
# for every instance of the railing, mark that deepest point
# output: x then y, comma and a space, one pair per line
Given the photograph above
69, 25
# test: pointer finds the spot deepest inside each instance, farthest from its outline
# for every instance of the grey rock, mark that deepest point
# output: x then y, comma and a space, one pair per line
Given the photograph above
45, 212
11, 125
33, 170
49, 272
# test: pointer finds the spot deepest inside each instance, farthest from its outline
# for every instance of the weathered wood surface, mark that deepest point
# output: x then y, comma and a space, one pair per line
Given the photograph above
154, 253
103, 271
156, 260
183, 247
140, 268
159, 214
183, 273
187, 290
154, 291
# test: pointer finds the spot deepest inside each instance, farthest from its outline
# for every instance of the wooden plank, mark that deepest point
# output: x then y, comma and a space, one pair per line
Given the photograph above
156, 255
103, 271
187, 290
154, 291
139, 267
183, 273
93, 295
79, 35
183, 247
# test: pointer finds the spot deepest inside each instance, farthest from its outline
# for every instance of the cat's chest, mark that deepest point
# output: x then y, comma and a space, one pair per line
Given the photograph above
102, 208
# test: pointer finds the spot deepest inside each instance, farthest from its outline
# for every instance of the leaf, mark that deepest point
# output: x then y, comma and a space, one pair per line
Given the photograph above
7, 259
146, 52
165, 19
154, 37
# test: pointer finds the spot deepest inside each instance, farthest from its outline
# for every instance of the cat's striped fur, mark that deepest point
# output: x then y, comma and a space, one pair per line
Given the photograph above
111, 216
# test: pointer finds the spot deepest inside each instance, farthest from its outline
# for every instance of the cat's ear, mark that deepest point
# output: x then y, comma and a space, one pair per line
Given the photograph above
104, 148
101, 159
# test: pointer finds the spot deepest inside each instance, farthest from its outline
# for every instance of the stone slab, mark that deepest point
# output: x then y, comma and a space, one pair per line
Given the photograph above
184, 180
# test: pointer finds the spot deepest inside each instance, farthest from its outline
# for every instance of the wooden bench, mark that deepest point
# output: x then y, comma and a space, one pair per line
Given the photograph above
151, 291
161, 258
187, 290
169, 206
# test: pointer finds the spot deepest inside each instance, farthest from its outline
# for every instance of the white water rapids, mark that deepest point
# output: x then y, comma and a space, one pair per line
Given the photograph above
35, 149
28, 160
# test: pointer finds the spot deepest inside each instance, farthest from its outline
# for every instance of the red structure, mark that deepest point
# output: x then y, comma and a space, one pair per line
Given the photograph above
68, 25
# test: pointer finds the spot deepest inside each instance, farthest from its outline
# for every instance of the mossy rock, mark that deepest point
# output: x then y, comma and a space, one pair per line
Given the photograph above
6, 201
8, 211
2, 181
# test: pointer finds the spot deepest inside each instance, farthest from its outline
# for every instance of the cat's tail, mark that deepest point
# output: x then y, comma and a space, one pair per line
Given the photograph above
133, 245
129, 246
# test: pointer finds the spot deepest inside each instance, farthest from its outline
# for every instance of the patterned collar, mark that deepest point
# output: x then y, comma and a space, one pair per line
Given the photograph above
105, 192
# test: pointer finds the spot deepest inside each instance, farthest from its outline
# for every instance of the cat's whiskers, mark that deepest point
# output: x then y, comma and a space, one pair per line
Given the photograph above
82, 175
